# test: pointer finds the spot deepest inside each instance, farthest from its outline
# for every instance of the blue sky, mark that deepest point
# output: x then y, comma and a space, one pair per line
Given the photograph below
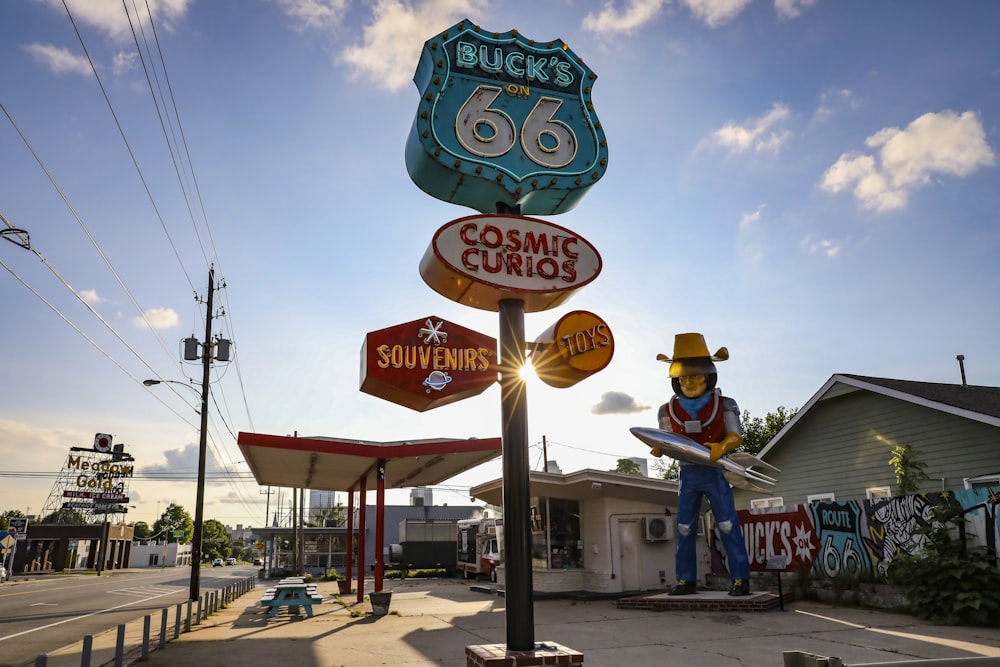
812, 184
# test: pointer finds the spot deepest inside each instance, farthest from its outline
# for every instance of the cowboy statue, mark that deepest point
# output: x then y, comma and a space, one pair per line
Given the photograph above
699, 411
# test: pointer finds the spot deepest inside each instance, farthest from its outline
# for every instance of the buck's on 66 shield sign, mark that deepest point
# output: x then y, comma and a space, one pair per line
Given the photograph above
504, 119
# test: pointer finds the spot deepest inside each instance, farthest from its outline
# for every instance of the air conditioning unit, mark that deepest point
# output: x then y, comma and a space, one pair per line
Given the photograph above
657, 528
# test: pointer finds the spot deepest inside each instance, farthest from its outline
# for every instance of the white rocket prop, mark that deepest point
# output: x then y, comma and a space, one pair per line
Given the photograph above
736, 466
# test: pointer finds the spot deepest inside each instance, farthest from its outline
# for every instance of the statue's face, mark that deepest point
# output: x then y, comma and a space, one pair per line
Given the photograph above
693, 386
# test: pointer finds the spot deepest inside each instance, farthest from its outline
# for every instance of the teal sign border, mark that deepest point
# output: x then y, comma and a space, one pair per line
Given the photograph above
504, 122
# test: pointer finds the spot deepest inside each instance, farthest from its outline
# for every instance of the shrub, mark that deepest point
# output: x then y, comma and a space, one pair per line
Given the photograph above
946, 581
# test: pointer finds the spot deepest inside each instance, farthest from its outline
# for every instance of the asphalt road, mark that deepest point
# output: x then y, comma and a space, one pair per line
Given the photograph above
42, 614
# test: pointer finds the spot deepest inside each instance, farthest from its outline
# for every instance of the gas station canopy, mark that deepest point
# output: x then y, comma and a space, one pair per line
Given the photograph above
333, 464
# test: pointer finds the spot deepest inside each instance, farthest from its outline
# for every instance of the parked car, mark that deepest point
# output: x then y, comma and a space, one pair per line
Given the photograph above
217, 562
230, 561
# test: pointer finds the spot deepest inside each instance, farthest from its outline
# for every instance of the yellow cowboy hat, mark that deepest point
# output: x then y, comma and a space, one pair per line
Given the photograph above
691, 356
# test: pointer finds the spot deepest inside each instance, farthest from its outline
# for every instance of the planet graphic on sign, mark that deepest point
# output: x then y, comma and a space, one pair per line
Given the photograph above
437, 381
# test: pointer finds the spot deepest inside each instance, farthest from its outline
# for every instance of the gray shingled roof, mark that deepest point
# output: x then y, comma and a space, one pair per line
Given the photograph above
975, 398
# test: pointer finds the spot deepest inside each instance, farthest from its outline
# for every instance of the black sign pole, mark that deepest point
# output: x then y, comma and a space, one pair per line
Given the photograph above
516, 485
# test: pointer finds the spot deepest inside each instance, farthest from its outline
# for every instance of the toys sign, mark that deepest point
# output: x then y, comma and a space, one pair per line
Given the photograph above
503, 118
577, 346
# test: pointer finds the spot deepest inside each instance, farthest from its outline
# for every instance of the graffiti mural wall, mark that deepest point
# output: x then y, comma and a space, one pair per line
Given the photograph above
858, 537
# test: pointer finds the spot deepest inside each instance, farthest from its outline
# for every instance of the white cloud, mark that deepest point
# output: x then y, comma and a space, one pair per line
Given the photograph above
315, 13
946, 143
715, 13
391, 46
834, 100
790, 9
58, 59
828, 247
109, 17
124, 61
759, 134
749, 219
157, 318
90, 296
635, 15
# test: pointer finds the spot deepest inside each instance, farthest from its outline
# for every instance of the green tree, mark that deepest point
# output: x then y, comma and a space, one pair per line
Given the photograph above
910, 470
946, 579
628, 467
141, 530
174, 518
757, 432
9, 514
337, 515
67, 517
215, 541
667, 468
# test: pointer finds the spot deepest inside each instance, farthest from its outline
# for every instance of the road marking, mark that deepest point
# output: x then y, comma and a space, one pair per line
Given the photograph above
146, 590
981, 649
78, 618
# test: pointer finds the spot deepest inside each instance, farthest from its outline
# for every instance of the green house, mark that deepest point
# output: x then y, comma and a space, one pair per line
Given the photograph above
838, 445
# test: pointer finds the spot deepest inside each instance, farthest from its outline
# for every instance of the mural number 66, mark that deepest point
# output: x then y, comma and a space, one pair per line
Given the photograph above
835, 562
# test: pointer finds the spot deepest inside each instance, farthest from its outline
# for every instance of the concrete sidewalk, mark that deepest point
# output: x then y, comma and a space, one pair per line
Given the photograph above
430, 622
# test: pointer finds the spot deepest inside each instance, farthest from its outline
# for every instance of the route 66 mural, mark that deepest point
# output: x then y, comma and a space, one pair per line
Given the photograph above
861, 537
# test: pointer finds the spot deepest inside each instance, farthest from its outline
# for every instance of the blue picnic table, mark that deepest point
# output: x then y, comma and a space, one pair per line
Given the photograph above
291, 593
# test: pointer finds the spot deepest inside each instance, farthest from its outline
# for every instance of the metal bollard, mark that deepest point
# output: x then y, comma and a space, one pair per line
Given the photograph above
187, 621
41, 660
177, 622
163, 628
88, 649
197, 619
146, 620
120, 646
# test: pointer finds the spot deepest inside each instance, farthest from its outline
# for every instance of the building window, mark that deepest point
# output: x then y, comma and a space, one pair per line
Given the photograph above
982, 482
556, 537
874, 492
821, 498
764, 503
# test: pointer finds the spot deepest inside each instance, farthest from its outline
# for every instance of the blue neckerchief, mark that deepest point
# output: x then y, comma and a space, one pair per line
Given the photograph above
693, 406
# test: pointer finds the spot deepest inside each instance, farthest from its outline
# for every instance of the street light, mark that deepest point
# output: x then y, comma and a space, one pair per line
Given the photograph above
199, 507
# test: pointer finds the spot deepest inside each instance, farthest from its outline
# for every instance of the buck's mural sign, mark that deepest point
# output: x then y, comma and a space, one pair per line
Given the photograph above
427, 363
503, 118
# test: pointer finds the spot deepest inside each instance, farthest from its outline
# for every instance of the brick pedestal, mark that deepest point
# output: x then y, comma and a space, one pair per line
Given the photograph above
545, 653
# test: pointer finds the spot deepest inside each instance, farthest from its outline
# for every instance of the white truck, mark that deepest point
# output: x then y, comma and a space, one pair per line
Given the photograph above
479, 547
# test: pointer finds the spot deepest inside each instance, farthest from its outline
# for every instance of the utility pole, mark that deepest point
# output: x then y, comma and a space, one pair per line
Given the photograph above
191, 354
199, 507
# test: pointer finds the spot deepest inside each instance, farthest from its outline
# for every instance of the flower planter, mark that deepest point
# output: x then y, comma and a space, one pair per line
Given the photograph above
380, 602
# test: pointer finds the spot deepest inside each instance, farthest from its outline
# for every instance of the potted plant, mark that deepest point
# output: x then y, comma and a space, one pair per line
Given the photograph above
343, 584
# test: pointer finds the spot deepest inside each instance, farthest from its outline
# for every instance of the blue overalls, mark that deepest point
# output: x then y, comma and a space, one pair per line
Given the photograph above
705, 481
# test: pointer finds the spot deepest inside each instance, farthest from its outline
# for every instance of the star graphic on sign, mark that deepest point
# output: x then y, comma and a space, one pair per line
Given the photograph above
803, 543
432, 333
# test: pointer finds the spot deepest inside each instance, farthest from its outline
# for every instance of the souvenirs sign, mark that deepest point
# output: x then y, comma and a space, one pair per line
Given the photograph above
482, 259
578, 345
506, 119
427, 363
